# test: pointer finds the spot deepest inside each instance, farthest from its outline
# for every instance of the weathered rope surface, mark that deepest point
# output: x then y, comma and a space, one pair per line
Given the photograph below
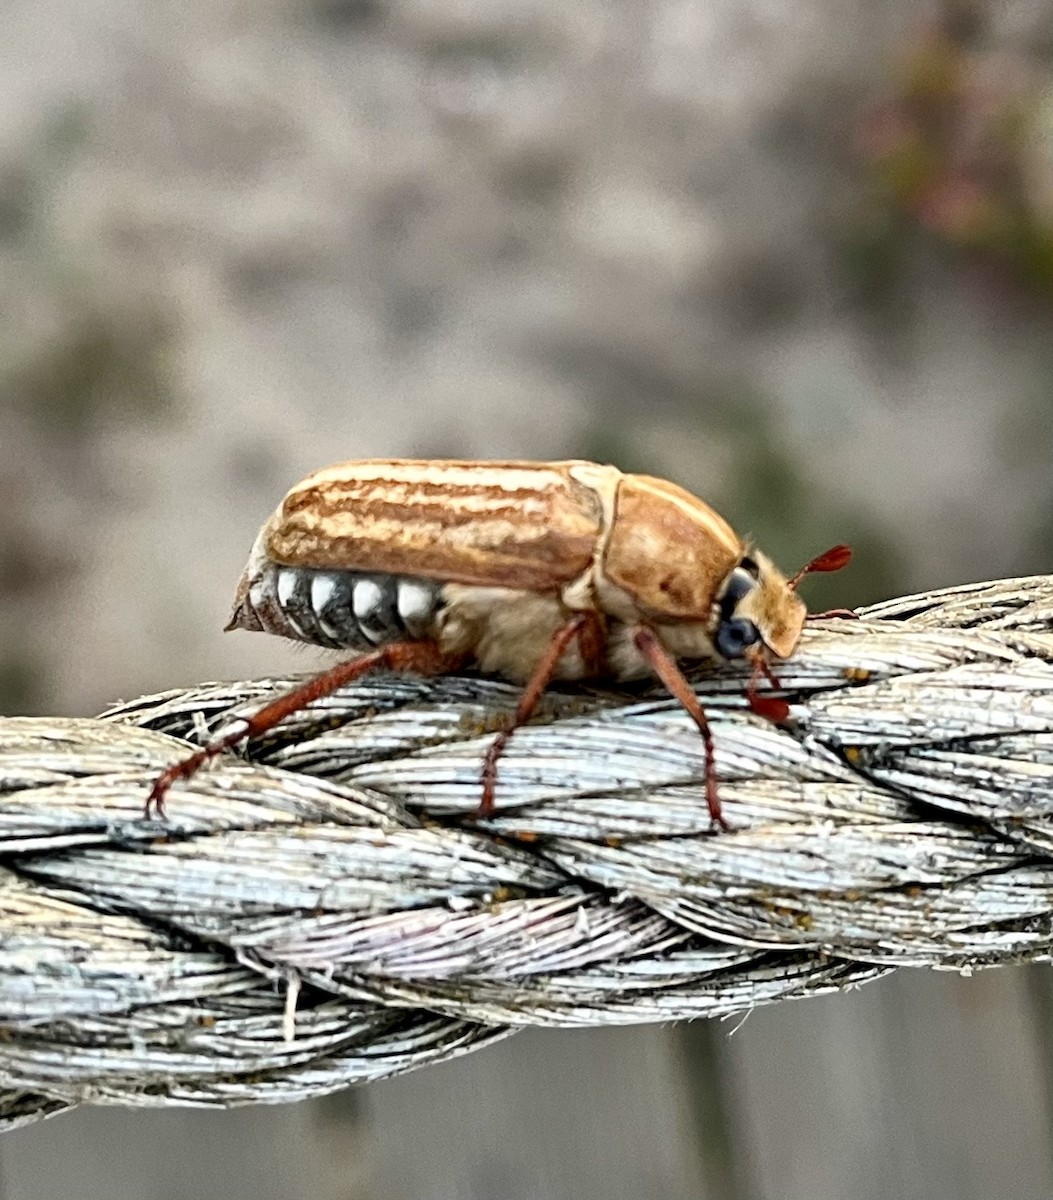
331, 912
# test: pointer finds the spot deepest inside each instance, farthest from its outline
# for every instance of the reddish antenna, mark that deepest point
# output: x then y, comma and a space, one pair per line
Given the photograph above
773, 707
830, 560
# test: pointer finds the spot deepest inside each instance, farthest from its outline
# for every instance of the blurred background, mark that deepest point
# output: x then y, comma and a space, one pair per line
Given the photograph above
796, 256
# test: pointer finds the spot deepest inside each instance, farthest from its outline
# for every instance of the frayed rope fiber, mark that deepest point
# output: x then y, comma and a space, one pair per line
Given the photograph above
328, 910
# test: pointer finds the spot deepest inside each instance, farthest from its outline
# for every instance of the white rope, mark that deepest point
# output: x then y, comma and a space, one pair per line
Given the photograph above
332, 912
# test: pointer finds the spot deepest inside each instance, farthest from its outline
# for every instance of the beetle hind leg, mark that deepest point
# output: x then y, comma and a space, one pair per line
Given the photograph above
422, 658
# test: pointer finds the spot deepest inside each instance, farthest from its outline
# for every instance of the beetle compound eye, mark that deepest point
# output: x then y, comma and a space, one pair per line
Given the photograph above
734, 636
740, 584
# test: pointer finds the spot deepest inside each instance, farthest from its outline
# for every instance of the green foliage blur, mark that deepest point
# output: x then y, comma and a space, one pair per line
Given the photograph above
960, 150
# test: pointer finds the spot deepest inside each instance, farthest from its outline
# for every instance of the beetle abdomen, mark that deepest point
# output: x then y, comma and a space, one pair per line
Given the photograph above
340, 609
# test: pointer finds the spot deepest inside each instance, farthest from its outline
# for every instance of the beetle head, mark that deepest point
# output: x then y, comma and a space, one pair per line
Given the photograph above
760, 609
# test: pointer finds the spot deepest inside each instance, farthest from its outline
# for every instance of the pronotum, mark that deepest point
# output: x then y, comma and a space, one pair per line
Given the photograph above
533, 571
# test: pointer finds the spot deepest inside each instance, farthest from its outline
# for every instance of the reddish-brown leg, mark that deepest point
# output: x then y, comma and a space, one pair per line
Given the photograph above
587, 628
772, 708
422, 658
665, 667
592, 642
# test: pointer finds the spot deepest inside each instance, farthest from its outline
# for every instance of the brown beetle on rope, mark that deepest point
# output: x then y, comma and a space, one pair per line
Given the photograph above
532, 571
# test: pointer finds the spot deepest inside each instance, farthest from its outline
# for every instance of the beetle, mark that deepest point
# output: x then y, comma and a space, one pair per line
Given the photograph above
533, 571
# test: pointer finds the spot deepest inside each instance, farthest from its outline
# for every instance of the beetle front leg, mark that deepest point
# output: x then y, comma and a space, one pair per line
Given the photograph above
588, 629
665, 667
771, 708
422, 658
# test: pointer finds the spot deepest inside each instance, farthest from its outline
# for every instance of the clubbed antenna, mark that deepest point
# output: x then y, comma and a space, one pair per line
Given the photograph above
830, 560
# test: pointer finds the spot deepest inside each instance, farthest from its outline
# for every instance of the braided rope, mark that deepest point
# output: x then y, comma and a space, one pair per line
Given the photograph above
331, 912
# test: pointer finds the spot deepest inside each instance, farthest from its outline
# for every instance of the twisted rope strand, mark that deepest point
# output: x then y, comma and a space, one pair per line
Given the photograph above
330, 911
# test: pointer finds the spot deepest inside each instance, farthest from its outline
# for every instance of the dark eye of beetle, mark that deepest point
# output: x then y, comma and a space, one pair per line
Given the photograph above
740, 583
749, 566
734, 636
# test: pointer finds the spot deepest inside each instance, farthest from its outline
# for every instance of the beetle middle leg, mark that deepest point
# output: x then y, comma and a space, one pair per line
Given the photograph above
665, 667
422, 658
587, 628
